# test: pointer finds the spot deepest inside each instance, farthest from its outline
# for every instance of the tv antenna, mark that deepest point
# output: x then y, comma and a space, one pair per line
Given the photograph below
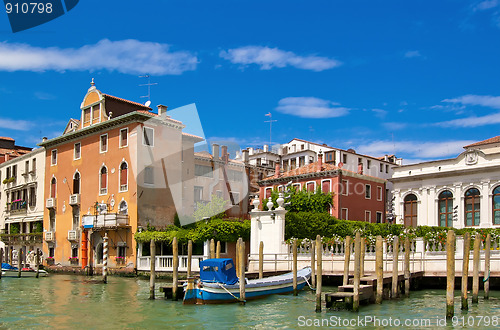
149, 84
270, 121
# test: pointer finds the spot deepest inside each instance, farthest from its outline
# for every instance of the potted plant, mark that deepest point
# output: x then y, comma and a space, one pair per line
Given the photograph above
50, 261
120, 260
73, 260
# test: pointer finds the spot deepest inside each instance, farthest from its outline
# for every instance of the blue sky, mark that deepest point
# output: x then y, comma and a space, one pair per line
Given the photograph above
420, 78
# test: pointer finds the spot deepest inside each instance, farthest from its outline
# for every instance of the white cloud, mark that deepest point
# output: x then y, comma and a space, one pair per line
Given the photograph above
412, 54
394, 126
485, 5
18, 125
268, 58
482, 100
310, 107
472, 121
417, 149
125, 56
380, 113
44, 96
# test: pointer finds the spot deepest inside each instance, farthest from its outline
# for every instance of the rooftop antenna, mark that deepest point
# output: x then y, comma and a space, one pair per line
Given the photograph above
270, 121
149, 84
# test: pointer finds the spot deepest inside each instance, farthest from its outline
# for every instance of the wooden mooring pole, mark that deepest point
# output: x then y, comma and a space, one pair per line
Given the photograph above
475, 264
486, 280
1, 261
152, 275
362, 262
313, 264
450, 274
217, 250
294, 267
19, 261
37, 263
319, 272
407, 267
379, 268
175, 266
212, 248
465, 271
357, 269
261, 259
395, 271
347, 255
242, 270
190, 258
237, 259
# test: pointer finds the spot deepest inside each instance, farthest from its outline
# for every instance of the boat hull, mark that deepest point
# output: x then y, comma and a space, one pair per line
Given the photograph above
15, 273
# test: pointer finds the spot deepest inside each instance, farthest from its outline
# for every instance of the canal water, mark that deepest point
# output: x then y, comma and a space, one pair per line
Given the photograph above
68, 301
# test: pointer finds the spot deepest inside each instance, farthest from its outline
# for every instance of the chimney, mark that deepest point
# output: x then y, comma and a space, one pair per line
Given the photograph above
266, 148
245, 156
215, 151
320, 162
224, 154
360, 168
250, 150
7, 157
162, 109
44, 139
277, 170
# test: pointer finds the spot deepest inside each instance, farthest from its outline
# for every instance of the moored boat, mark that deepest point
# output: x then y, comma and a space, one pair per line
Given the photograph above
9, 271
218, 283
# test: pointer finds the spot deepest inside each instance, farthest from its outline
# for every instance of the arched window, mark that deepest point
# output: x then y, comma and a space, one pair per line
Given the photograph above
53, 184
103, 179
445, 209
123, 207
123, 176
496, 206
76, 183
410, 210
472, 207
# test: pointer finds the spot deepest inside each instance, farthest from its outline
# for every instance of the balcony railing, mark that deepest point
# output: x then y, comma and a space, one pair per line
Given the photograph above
17, 207
18, 238
108, 220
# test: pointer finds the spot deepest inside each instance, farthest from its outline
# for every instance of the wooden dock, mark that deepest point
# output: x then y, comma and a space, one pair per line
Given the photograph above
167, 290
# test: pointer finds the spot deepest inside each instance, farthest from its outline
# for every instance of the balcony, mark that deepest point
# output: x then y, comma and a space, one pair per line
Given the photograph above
50, 236
50, 203
74, 199
21, 238
109, 220
17, 207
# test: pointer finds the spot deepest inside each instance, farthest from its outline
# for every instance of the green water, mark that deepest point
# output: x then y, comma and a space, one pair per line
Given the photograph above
64, 301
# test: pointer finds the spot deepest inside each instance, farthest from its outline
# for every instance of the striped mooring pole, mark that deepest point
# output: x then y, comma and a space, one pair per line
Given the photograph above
105, 259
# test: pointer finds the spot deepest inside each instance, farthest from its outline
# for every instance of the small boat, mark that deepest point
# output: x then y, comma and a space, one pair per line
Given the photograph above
9, 271
218, 283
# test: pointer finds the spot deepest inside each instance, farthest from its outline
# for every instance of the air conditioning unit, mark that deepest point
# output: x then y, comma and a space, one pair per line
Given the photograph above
51, 203
74, 199
73, 235
50, 236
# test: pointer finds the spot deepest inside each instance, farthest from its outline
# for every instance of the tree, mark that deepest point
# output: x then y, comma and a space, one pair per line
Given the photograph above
215, 209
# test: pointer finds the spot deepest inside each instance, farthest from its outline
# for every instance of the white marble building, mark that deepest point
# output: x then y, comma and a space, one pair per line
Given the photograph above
459, 192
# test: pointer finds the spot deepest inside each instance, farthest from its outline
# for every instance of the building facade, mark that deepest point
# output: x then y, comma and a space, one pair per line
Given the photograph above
459, 192
9, 149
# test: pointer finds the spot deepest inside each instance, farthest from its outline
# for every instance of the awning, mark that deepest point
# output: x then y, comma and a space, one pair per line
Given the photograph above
24, 219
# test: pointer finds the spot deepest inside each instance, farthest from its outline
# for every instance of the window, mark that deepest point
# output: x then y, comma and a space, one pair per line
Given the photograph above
235, 197
124, 137
379, 193
124, 177
302, 161
52, 220
51, 252
381, 167
344, 213
201, 170
86, 117
360, 161
76, 183
77, 151
26, 167
103, 181
379, 217
54, 157
496, 206
74, 251
53, 184
198, 194
386, 168
268, 192
472, 207
148, 137
121, 252
34, 165
104, 143
368, 216
95, 113
368, 191
410, 210
368, 164
123, 207
445, 209
32, 197
325, 186
310, 186
345, 187
7, 174
302, 147
344, 159
14, 171
149, 175
293, 163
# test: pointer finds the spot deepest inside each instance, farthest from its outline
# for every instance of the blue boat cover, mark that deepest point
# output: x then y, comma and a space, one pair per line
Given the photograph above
7, 266
218, 270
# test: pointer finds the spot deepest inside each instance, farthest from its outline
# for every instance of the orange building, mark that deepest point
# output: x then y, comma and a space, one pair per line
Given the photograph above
106, 175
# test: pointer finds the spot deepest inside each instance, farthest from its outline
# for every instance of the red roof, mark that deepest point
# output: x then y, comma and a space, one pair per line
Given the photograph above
306, 169
495, 139
6, 138
126, 101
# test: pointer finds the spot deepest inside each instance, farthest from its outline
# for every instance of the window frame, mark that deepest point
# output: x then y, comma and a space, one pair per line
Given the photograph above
103, 191
345, 187
120, 143
379, 193
368, 191
446, 200
473, 211
152, 143
493, 204
101, 151
120, 188
411, 216
369, 213
79, 151
53, 157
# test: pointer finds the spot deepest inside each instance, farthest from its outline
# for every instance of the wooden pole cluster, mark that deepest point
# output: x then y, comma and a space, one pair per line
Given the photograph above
357, 269
363, 252
465, 271
190, 257
237, 259
347, 256
261, 259
319, 272
395, 271
152, 275
294, 267
475, 263
241, 253
450, 272
313, 264
175, 266
105, 259
487, 251
407, 267
379, 268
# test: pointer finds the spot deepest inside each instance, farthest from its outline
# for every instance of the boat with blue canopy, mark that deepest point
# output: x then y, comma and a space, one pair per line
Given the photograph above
218, 283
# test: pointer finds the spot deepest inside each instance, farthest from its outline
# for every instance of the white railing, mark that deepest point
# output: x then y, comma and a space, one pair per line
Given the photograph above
165, 263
